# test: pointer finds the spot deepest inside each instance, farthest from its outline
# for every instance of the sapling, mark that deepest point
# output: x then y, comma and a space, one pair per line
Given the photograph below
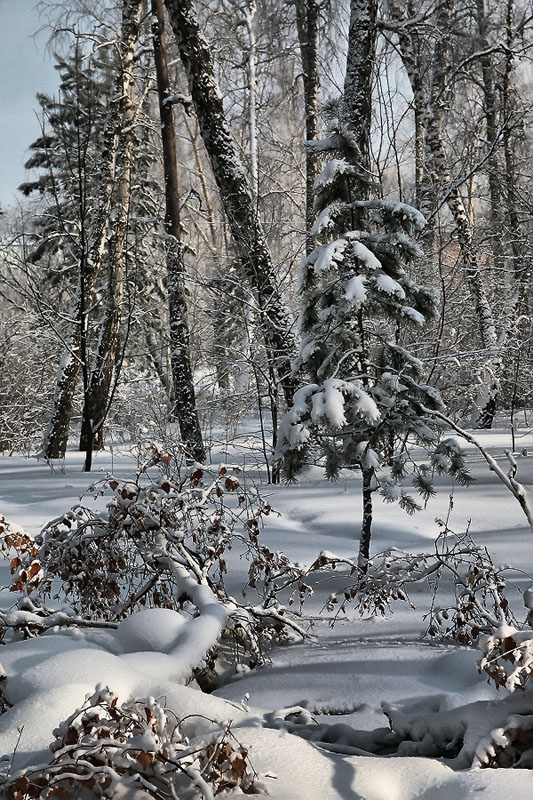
362, 398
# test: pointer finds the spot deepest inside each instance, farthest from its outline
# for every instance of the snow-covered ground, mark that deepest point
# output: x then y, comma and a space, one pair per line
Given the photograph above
338, 678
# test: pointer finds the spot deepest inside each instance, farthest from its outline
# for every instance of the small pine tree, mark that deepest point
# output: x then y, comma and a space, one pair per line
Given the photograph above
364, 404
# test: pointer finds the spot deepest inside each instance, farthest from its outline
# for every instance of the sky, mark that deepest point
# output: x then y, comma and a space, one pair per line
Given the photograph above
25, 69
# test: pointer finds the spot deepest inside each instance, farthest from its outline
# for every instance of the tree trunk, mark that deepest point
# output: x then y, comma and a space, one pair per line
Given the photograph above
93, 240
307, 24
103, 373
182, 374
97, 389
158, 354
247, 233
357, 113
360, 63
366, 527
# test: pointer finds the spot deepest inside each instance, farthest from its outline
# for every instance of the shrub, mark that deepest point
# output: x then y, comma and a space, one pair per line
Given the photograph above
105, 749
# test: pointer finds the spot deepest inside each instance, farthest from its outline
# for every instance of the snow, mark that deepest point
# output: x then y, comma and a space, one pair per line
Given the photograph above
151, 629
413, 315
334, 682
335, 167
365, 255
330, 254
355, 290
388, 285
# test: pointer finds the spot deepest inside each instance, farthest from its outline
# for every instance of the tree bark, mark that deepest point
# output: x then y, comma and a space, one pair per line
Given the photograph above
357, 115
103, 375
360, 64
366, 527
307, 24
94, 241
230, 176
430, 109
183, 379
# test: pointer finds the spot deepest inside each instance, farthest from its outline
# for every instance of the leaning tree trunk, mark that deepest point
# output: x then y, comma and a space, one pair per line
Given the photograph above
185, 400
235, 192
93, 243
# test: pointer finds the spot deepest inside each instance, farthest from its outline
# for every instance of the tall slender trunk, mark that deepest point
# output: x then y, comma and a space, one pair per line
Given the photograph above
521, 265
103, 373
357, 97
182, 374
219, 318
96, 237
248, 17
247, 233
307, 24
357, 115
366, 527
158, 354
431, 117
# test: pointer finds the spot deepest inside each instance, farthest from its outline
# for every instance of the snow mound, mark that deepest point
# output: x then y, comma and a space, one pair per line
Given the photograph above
151, 629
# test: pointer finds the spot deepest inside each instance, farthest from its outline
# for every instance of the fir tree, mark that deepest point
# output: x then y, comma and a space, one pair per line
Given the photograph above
364, 404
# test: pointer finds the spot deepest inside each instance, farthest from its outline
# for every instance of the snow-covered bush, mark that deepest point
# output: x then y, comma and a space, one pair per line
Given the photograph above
508, 657
468, 590
137, 748
163, 540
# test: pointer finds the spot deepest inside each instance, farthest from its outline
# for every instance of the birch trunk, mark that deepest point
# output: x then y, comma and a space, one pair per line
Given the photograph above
307, 24
234, 187
182, 373
94, 242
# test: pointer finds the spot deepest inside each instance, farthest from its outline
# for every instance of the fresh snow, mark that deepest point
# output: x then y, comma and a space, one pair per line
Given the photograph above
388, 285
303, 716
355, 290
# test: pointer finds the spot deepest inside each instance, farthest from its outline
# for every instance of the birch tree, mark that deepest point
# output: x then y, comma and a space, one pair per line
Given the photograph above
185, 402
307, 21
235, 191
93, 240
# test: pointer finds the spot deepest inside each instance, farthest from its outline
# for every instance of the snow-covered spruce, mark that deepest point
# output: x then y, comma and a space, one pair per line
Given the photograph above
366, 398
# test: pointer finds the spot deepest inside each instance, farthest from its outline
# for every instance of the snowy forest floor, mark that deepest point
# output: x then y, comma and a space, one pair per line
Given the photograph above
340, 675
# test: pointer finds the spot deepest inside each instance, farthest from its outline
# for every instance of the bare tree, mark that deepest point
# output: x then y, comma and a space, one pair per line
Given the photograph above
185, 402
235, 191
93, 240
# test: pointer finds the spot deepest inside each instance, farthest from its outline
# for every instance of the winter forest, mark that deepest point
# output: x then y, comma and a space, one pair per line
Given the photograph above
266, 405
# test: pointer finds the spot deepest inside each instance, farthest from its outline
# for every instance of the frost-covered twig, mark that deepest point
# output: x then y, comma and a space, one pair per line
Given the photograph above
27, 620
